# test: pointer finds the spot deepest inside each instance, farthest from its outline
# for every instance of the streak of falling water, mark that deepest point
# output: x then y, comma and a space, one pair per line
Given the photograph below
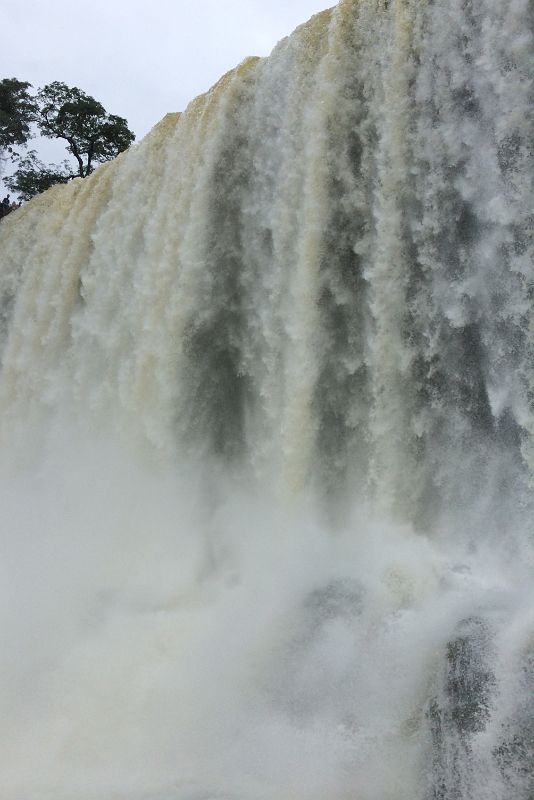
266, 423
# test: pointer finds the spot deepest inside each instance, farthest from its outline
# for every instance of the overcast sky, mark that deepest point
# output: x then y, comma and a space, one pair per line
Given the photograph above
141, 59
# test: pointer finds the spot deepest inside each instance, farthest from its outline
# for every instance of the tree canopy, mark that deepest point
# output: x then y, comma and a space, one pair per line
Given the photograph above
58, 111
17, 111
92, 135
33, 176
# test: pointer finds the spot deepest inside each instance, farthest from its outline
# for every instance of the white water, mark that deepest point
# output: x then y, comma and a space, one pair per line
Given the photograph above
267, 431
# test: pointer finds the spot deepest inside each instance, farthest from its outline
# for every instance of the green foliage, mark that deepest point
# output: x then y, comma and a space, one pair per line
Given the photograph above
33, 176
93, 135
17, 112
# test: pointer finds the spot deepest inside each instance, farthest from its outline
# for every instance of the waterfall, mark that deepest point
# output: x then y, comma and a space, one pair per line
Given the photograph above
267, 424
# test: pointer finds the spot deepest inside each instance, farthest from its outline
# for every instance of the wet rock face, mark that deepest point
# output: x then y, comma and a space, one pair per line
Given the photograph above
469, 680
481, 719
460, 709
514, 754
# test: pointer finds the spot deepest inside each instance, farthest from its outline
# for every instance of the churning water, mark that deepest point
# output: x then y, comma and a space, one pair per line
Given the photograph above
267, 419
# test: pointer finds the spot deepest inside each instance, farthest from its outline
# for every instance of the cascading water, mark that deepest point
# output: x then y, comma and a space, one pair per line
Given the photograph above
267, 422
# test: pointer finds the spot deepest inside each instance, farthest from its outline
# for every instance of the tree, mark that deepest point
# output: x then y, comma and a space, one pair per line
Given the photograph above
60, 112
33, 176
92, 135
17, 111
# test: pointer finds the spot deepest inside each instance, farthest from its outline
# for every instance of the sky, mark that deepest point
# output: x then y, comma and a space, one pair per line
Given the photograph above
140, 58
